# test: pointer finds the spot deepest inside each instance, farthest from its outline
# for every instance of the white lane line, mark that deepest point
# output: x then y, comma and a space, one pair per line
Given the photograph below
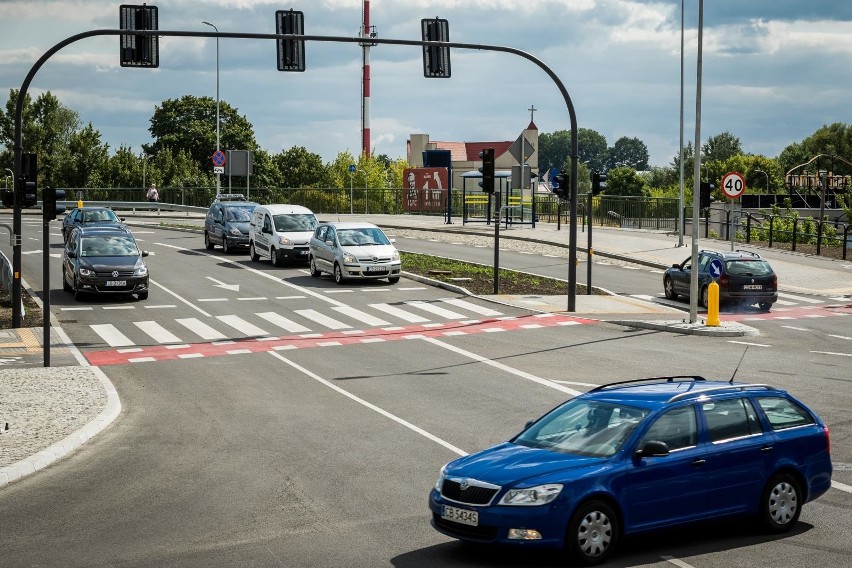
409, 288
502, 367
181, 298
796, 328
160, 306
371, 406
201, 329
289, 297
676, 562
157, 332
784, 303
749, 343
840, 336
399, 313
464, 304
800, 298
211, 299
251, 299
119, 307
86, 309
283, 322
242, 325
832, 353
363, 317
110, 334
323, 320
436, 310
841, 486
575, 383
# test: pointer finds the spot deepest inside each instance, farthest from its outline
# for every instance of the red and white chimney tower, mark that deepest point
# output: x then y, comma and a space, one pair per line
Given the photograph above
366, 32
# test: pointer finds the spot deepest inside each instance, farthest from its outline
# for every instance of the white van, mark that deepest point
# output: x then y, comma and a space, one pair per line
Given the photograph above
281, 232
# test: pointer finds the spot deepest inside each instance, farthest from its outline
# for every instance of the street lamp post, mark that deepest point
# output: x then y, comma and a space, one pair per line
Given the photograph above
218, 175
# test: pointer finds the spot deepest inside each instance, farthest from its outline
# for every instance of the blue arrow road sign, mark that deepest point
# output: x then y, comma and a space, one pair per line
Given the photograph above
351, 168
715, 268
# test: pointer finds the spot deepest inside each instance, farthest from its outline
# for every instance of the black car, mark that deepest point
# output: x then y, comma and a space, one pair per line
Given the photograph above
104, 260
90, 217
227, 222
746, 279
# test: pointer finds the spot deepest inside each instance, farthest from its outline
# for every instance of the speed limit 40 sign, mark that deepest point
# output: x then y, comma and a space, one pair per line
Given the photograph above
733, 184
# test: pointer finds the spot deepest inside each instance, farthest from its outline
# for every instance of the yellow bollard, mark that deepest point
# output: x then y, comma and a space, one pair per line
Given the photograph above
79, 203
713, 304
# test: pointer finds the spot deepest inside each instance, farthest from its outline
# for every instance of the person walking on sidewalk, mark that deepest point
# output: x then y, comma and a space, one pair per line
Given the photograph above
153, 195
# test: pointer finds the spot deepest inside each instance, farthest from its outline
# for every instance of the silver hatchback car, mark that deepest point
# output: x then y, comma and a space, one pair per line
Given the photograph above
350, 250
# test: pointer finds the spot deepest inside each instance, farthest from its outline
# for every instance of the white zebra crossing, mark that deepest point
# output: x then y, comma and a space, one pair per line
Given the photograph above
391, 313
201, 329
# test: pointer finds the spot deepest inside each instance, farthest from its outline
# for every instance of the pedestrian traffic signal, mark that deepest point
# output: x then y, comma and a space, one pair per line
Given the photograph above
487, 170
291, 52
598, 183
49, 208
559, 184
139, 50
704, 198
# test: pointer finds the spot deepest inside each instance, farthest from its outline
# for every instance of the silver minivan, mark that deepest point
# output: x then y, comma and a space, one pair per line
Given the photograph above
352, 250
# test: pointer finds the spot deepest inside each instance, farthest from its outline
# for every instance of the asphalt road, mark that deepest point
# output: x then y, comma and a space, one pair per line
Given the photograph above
320, 451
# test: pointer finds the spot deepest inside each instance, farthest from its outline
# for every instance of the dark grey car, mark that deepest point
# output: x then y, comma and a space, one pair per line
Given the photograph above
227, 222
104, 260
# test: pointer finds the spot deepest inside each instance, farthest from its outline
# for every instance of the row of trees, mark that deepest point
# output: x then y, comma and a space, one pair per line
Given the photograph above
73, 155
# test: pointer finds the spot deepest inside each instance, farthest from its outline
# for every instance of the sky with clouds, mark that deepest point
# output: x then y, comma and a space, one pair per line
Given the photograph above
773, 72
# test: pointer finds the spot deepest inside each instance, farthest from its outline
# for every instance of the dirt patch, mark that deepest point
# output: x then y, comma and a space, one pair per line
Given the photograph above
32, 314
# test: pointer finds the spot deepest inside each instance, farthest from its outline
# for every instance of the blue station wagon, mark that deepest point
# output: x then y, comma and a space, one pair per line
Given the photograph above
634, 456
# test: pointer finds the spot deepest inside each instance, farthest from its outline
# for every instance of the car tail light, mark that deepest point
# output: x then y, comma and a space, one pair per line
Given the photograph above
775, 281
723, 281
827, 440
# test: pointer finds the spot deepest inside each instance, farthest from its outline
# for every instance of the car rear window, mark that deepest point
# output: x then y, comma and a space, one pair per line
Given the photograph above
783, 413
748, 267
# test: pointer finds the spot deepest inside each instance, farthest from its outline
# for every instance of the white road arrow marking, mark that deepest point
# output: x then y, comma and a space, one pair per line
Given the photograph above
220, 284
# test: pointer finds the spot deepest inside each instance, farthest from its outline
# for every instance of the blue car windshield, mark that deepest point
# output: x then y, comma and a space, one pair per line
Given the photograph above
584, 427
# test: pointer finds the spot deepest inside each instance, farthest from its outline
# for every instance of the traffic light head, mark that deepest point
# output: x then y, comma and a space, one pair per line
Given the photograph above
49, 207
487, 170
559, 184
598, 183
704, 199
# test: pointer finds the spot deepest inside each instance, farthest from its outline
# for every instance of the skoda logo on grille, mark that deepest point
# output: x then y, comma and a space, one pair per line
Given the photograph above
115, 273
752, 280
464, 484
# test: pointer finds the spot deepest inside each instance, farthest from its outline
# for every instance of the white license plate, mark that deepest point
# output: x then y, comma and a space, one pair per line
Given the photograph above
376, 269
463, 516
752, 287
116, 283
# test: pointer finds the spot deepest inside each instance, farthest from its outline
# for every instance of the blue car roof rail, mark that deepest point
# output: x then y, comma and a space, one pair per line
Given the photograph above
742, 387
671, 379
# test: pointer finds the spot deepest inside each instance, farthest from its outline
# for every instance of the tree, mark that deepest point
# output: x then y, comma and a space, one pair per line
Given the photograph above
592, 149
188, 124
831, 140
124, 169
46, 129
553, 149
300, 168
721, 147
83, 161
628, 153
625, 181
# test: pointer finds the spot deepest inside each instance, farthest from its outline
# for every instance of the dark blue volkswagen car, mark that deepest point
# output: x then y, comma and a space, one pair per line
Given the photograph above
635, 456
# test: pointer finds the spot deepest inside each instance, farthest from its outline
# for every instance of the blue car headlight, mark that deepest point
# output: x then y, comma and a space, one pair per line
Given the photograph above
532, 496
441, 477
